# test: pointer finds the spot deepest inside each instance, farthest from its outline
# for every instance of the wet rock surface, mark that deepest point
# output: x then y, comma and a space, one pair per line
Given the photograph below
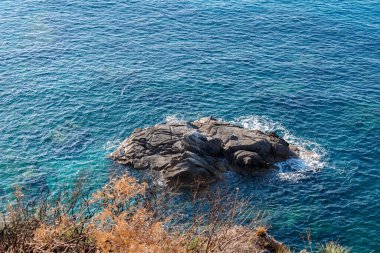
201, 151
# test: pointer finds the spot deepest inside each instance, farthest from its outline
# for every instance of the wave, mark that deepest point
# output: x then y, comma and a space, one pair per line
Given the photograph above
112, 145
311, 154
175, 119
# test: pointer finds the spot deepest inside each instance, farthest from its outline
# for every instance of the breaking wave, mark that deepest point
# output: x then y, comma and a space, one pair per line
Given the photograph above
311, 154
175, 119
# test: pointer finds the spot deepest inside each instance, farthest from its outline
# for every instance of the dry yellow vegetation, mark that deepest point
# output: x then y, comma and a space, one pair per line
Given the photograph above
123, 217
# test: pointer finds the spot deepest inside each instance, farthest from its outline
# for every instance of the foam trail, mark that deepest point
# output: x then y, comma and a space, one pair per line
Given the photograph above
174, 119
111, 145
311, 154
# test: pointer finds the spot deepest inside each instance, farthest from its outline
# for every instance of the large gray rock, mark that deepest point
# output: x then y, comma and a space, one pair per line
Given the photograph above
201, 151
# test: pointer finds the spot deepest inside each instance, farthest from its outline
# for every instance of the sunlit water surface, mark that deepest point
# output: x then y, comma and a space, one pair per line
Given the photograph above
76, 77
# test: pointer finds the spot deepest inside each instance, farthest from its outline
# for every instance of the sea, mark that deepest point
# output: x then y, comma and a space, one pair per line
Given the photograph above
76, 77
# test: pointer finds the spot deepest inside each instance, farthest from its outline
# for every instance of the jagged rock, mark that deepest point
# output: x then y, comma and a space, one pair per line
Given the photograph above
201, 150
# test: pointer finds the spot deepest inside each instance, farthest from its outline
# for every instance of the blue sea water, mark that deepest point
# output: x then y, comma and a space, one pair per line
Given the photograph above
76, 77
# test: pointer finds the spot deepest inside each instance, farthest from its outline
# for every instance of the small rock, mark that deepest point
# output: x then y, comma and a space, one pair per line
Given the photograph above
201, 150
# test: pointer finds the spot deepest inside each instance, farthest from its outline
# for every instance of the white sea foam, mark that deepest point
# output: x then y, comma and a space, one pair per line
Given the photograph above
111, 145
311, 154
175, 119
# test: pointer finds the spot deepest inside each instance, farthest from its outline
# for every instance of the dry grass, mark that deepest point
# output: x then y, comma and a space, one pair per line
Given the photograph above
332, 247
329, 247
127, 216
124, 224
261, 231
49, 226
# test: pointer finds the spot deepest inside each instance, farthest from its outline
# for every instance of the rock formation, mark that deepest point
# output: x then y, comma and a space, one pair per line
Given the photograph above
201, 151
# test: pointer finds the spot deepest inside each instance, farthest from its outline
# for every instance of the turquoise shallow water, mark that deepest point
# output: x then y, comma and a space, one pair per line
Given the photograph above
76, 77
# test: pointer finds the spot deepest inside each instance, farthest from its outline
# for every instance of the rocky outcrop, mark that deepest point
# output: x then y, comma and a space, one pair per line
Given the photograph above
201, 150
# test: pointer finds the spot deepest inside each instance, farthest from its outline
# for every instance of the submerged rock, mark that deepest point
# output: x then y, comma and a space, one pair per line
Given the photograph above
201, 151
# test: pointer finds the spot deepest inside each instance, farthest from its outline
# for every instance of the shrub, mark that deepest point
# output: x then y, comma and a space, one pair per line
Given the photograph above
333, 247
128, 216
